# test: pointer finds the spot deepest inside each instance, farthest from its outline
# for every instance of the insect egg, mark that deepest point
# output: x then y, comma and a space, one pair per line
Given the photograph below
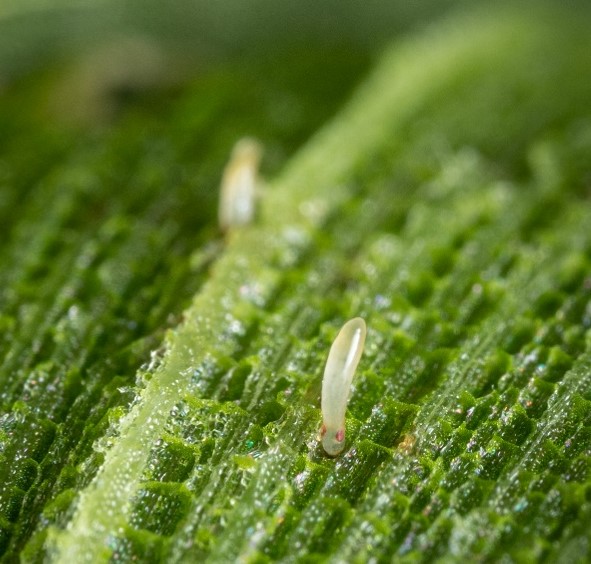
341, 364
239, 183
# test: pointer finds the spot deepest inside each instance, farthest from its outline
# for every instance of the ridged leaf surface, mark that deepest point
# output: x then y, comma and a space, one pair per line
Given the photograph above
161, 382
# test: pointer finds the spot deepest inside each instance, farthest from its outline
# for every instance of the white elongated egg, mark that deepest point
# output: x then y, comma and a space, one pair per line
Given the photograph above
239, 183
341, 364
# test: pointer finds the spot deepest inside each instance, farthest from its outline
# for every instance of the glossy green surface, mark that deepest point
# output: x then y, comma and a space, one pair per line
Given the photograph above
161, 385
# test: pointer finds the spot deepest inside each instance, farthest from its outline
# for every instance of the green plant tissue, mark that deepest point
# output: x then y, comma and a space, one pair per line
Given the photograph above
160, 379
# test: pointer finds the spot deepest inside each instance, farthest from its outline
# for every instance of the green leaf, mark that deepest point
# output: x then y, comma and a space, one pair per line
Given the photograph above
161, 383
